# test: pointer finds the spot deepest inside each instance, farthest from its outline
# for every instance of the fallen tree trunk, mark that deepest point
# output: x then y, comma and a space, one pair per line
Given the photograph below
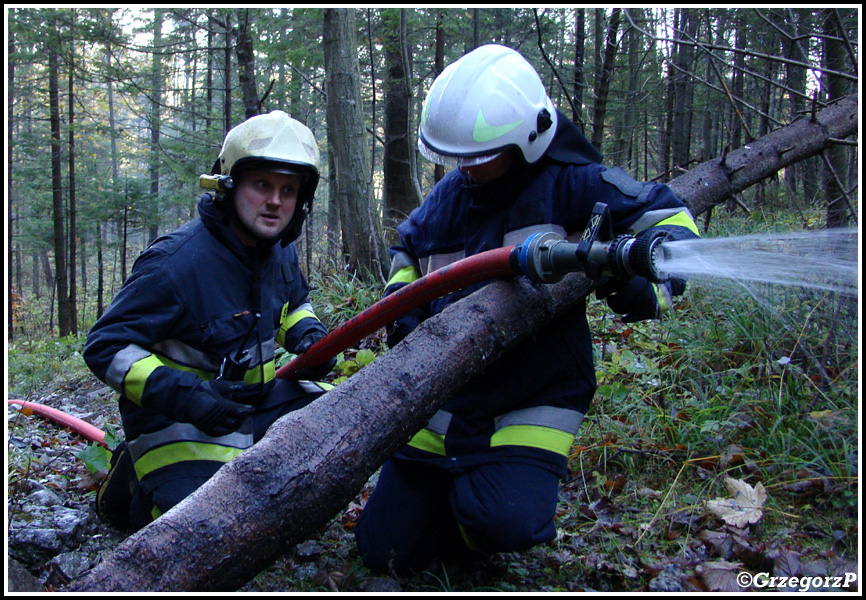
717, 180
312, 462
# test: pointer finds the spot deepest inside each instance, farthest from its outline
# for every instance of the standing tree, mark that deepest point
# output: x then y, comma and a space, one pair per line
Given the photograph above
400, 195
247, 64
347, 142
64, 306
603, 82
837, 87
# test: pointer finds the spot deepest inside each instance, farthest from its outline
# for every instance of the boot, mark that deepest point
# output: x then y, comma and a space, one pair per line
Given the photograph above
115, 492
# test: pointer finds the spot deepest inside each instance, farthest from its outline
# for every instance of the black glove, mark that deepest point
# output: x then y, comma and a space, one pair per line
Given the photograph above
210, 409
313, 373
636, 298
403, 326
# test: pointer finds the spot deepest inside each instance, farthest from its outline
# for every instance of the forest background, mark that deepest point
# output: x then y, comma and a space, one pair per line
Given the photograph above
112, 114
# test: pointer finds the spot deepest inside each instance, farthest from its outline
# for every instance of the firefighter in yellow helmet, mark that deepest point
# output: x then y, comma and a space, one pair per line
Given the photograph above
189, 340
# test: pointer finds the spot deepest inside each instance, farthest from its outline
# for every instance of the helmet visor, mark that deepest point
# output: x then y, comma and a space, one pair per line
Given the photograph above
453, 161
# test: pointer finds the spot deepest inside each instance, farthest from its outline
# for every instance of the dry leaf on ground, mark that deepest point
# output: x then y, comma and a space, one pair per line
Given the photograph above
744, 507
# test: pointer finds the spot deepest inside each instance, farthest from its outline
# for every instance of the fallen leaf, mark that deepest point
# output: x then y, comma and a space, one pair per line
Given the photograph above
829, 419
745, 506
720, 576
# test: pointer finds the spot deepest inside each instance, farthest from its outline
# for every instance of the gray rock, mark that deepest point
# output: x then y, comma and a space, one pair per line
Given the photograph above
19, 579
71, 564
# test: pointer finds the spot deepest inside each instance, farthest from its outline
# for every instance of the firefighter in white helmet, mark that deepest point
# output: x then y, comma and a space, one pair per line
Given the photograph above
189, 340
483, 475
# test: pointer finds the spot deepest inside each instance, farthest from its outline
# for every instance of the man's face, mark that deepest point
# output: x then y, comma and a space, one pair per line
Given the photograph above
264, 203
491, 170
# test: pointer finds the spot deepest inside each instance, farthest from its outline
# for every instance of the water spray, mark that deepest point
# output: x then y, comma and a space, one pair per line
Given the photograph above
826, 259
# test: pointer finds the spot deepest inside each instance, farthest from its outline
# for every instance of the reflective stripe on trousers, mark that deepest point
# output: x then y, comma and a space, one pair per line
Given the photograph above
545, 427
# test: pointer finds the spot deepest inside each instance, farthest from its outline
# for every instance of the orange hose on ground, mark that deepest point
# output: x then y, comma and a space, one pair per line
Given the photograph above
83, 428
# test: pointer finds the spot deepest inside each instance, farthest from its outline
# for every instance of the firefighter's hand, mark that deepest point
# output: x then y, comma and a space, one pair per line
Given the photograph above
403, 326
210, 409
636, 299
313, 373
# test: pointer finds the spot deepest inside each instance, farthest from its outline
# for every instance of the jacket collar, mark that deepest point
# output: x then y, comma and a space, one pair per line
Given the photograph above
216, 218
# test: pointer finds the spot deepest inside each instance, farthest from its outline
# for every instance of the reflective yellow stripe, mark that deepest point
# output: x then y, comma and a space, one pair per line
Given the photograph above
202, 374
133, 383
292, 319
469, 543
183, 451
533, 436
405, 275
663, 298
289, 320
429, 441
255, 374
681, 219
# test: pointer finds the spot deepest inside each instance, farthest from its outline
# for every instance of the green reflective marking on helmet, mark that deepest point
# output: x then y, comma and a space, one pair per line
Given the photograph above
485, 132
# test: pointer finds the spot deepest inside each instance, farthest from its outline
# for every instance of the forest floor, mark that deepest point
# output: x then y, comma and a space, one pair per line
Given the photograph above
616, 531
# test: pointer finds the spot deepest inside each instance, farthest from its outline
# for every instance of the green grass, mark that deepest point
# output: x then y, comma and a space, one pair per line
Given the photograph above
758, 383
35, 363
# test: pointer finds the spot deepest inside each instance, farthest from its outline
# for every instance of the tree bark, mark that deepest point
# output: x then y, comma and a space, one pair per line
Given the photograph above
836, 156
400, 196
347, 140
72, 237
247, 64
155, 124
64, 312
603, 85
11, 290
312, 462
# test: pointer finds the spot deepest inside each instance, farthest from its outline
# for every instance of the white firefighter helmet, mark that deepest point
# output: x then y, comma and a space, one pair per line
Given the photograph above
277, 143
489, 100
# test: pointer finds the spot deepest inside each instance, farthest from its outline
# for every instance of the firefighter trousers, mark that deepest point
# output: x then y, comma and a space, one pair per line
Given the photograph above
419, 512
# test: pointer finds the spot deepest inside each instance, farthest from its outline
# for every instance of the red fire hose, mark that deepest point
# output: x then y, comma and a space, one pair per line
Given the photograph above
471, 270
86, 430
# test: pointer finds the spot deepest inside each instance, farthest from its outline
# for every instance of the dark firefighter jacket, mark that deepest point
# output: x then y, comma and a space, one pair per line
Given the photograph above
196, 296
527, 406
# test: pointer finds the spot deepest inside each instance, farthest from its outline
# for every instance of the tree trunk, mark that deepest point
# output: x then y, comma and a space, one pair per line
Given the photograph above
400, 196
838, 207
346, 136
227, 75
438, 67
603, 85
10, 198
579, 51
246, 65
154, 121
312, 462
64, 314
683, 86
72, 236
